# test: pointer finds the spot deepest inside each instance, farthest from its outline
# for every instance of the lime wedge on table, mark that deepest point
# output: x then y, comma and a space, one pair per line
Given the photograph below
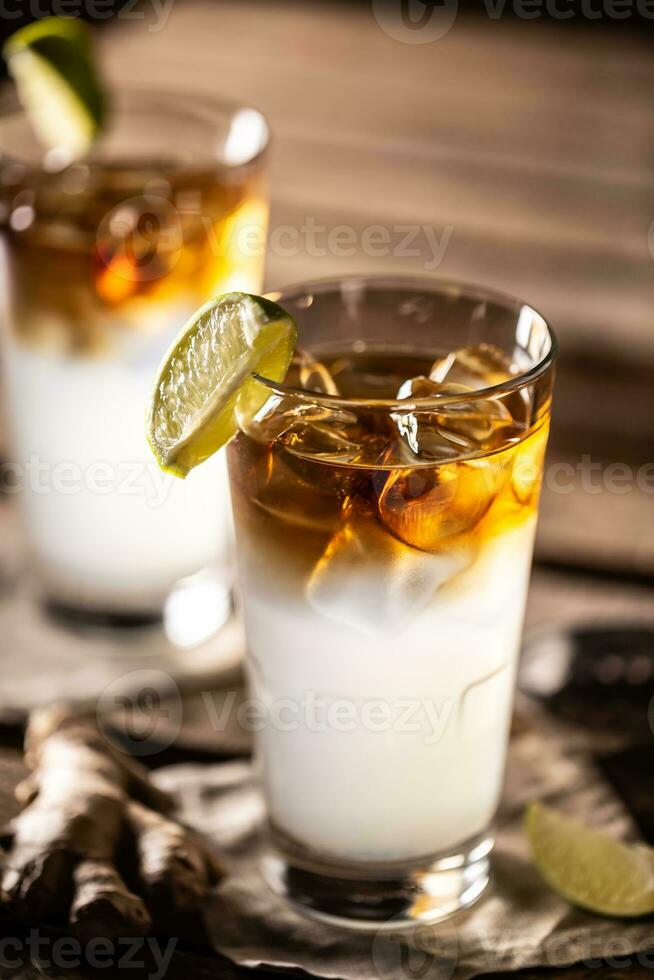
208, 371
588, 868
52, 64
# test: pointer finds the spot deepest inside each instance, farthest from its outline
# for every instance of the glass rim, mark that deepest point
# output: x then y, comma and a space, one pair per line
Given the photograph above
129, 96
429, 284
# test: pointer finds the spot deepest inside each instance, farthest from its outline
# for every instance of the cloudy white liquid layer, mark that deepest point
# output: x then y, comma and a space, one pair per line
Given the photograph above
354, 780
105, 526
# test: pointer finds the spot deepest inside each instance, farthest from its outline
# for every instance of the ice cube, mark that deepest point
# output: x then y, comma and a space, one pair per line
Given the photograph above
479, 366
313, 438
419, 431
420, 438
298, 422
282, 493
306, 372
300, 445
328, 439
476, 425
427, 506
277, 415
334, 452
454, 429
483, 366
420, 387
369, 581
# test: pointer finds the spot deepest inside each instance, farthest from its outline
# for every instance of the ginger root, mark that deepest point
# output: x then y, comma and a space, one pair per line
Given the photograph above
92, 844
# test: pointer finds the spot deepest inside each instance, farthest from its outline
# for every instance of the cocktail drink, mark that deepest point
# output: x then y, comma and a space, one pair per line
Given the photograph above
102, 261
385, 500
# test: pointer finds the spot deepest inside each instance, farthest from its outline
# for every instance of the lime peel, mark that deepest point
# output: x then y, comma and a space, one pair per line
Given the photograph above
52, 63
207, 376
587, 867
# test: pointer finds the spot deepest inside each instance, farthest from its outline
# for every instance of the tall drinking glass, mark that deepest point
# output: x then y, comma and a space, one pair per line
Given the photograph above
102, 261
385, 502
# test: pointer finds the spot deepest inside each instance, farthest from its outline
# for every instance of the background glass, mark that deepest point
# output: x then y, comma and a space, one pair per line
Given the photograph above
384, 548
102, 263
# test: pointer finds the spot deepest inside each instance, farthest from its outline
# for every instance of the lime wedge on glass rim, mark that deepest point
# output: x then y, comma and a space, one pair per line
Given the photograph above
589, 868
58, 85
208, 373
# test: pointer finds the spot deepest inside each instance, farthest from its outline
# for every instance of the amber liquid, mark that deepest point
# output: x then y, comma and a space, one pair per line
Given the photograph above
106, 248
437, 480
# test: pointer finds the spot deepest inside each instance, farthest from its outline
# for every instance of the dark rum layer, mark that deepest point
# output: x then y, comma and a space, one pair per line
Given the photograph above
95, 251
300, 480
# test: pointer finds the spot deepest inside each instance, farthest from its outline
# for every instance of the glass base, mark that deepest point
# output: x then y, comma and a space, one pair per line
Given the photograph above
367, 897
75, 617
195, 609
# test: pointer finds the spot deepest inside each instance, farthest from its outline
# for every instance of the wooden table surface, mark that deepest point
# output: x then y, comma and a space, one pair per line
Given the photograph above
527, 147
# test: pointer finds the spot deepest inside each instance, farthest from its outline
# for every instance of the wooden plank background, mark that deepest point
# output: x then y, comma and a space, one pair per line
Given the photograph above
534, 142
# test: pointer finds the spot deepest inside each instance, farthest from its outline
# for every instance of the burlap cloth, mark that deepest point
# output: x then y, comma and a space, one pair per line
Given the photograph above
519, 922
